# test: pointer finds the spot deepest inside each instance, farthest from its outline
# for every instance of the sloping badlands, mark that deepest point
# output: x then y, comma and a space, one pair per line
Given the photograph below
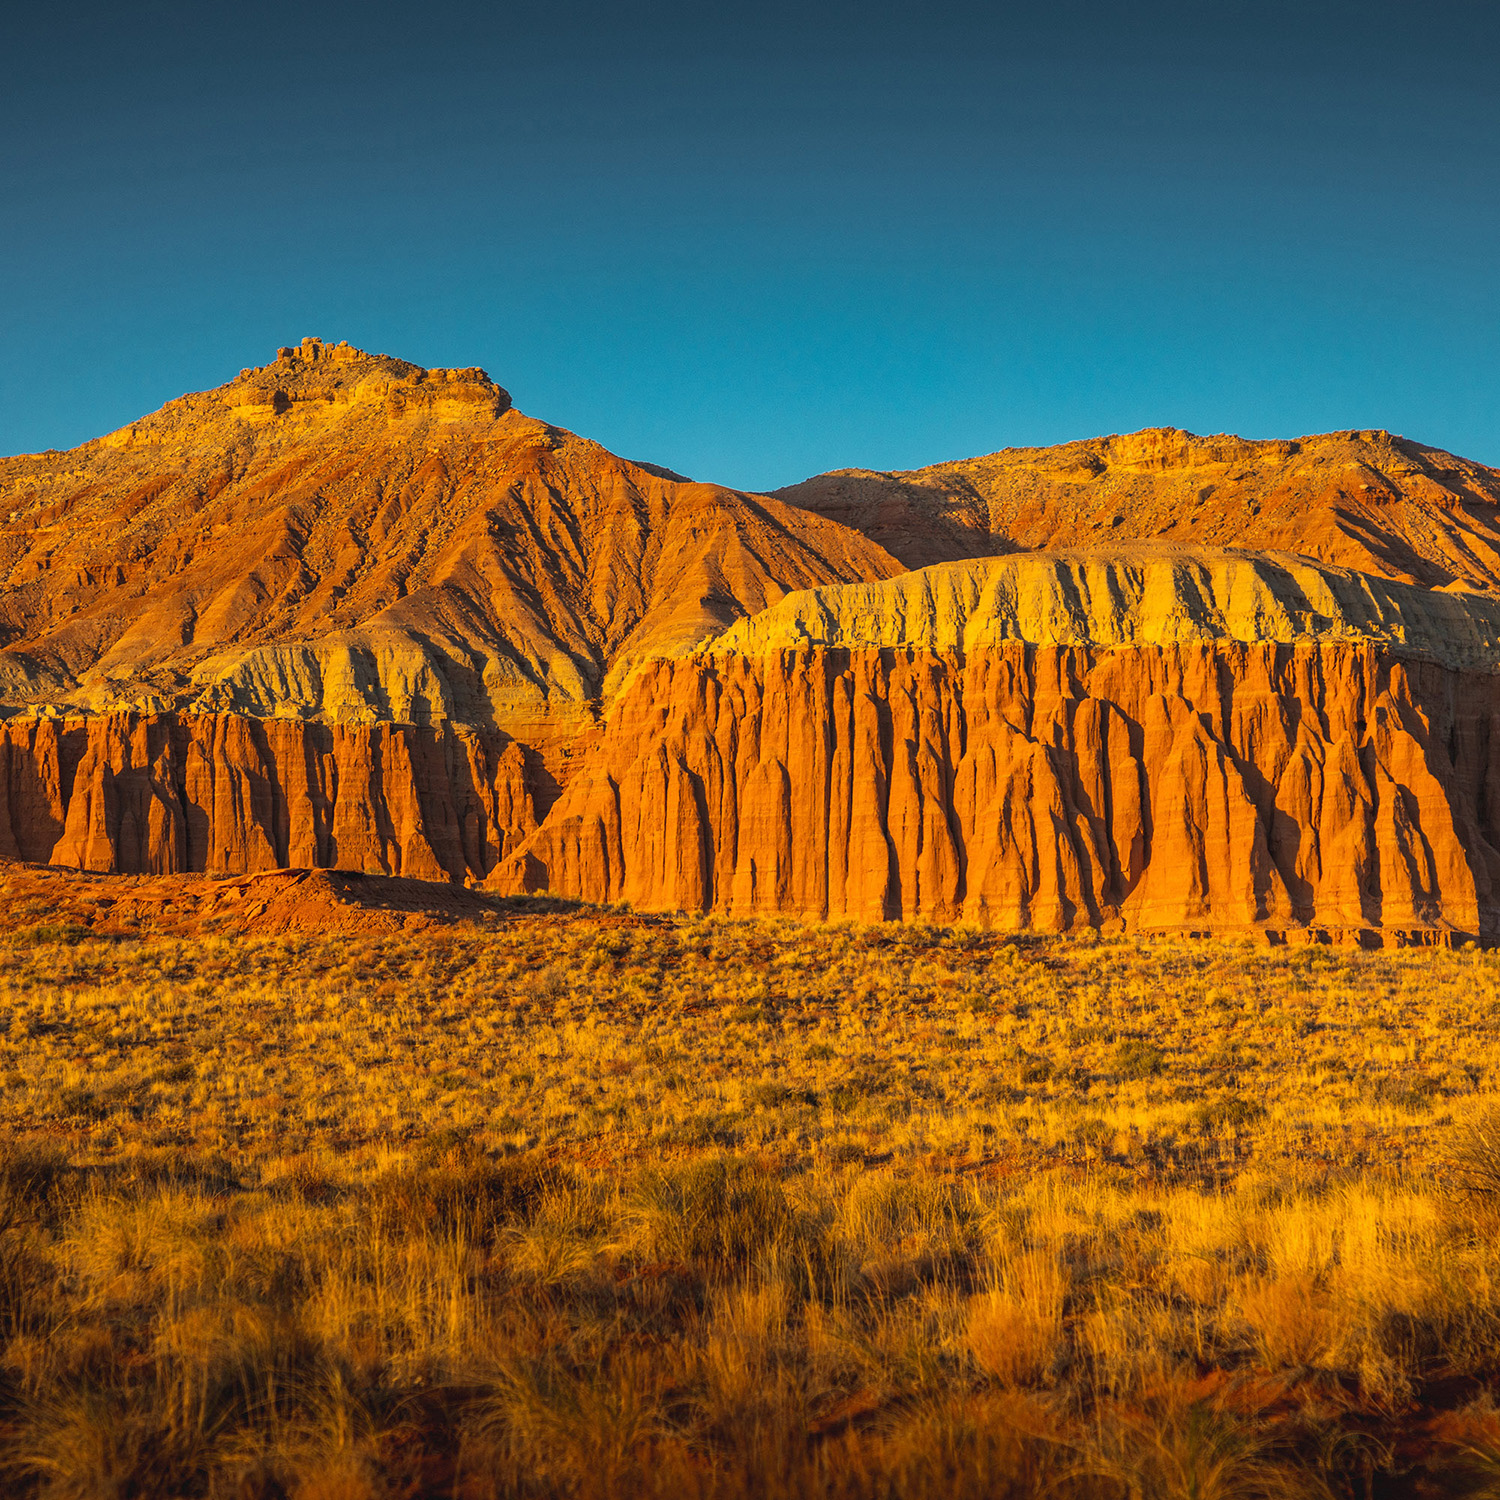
1364, 500
1142, 595
349, 537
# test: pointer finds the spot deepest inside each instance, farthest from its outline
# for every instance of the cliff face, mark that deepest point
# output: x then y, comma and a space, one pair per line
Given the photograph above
1204, 786
222, 793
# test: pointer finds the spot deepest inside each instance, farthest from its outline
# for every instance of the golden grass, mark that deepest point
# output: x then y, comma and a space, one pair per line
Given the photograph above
607, 1205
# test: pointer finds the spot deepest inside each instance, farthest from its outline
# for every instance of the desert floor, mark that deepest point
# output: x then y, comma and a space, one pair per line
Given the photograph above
590, 1203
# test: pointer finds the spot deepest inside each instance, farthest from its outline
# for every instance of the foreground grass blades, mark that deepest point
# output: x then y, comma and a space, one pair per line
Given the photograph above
608, 1205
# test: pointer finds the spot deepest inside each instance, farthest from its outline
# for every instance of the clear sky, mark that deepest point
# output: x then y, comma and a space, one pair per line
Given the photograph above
754, 242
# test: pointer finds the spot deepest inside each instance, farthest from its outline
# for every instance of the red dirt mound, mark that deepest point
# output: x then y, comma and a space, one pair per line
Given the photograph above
69, 905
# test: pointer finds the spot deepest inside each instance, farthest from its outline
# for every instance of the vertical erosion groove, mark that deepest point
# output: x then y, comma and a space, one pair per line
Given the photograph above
1193, 787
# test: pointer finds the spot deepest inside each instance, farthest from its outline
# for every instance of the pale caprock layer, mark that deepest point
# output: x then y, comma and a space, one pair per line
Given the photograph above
1139, 595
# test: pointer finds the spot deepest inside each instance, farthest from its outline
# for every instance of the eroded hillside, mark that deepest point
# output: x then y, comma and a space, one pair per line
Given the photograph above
1146, 594
1366, 500
352, 537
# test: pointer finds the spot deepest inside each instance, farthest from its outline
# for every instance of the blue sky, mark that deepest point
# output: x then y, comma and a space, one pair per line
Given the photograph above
759, 245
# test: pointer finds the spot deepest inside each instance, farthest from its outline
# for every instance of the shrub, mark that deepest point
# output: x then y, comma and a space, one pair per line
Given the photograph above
1227, 1114
775, 1095
1135, 1058
865, 1082
1473, 1167
716, 1214
82, 1103
465, 1195
1413, 1092
1035, 1070
68, 933
1014, 1331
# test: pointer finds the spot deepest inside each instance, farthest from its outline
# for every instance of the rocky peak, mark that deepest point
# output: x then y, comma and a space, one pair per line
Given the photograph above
341, 375
312, 350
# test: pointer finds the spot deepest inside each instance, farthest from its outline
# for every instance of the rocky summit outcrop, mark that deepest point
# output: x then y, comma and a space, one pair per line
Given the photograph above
347, 613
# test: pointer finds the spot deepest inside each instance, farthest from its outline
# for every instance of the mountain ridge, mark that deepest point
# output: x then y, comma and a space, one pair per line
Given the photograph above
1363, 499
354, 536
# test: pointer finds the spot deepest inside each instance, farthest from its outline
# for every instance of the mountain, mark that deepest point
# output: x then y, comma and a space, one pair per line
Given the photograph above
347, 613
345, 536
1363, 500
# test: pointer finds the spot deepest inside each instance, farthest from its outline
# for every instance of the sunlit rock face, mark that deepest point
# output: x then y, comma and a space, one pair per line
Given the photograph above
345, 612
1326, 789
1365, 500
229, 794
1146, 594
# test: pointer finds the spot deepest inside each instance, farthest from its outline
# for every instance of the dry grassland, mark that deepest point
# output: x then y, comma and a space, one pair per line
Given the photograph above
598, 1205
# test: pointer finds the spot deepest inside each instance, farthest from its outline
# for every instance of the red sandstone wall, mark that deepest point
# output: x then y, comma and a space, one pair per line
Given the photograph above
225, 793
1198, 787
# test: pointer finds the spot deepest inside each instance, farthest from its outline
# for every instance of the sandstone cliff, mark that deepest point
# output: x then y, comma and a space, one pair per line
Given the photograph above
1202, 786
1207, 786
228, 794
1148, 736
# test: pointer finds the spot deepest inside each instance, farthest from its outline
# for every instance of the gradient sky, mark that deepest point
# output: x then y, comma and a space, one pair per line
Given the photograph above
756, 242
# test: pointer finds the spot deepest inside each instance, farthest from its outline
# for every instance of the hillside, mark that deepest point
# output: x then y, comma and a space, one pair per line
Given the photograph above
1130, 595
347, 536
1364, 500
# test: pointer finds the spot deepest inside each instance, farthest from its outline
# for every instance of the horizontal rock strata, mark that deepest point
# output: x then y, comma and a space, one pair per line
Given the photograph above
1142, 594
1210, 785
